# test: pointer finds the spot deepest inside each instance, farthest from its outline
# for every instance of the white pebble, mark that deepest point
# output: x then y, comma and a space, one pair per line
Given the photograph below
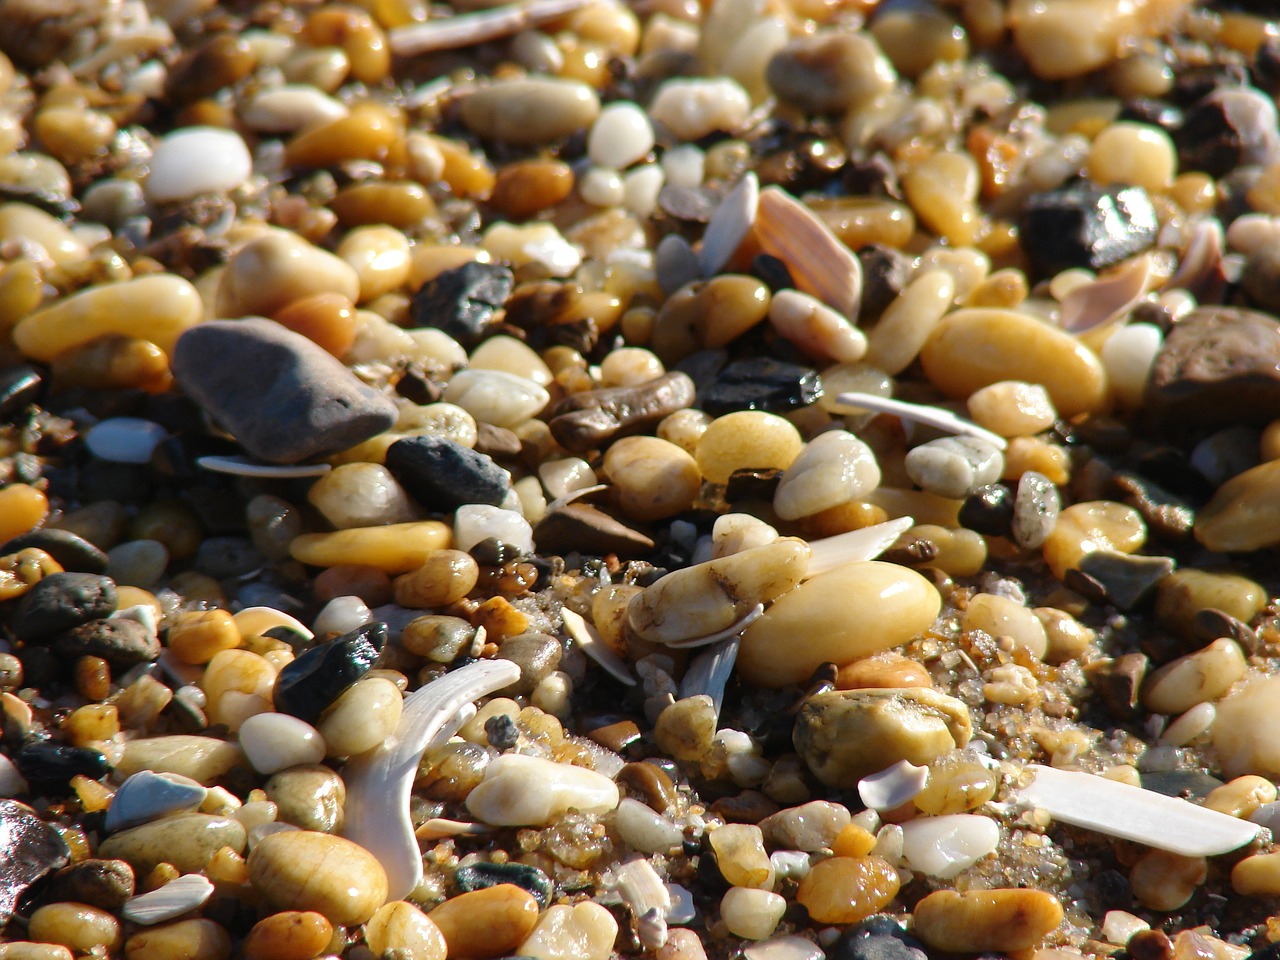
693, 108
751, 914
12, 782
788, 947
1119, 925
602, 187
1195, 722
276, 741
342, 615
942, 847
816, 328
640, 189
291, 107
492, 396
538, 243
893, 786
196, 160
474, 522
684, 165
172, 900
565, 476
834, 468
644, 829
621, 135
520, 790
954, 466
1128, 355
125, 439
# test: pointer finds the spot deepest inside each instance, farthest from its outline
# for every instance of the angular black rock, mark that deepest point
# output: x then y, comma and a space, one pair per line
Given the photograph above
762, 383
29, 848
462, 301
73, 553
282, 396
1082, 225
307, 686
478, 876
62, 601
41, 761
442, 475
117, 640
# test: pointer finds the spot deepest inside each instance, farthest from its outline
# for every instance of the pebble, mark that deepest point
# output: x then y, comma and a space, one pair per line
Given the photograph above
954, 467
907, 322
79, 927
748, 439
203, 759
1184, 594
480, 876
1229, 128
787, 947
584, 931
893, 786
1123, 579
652, 478
361, 495
308, 685
61, 602
392, 548
1000, 616
519, 790
195, 160
71, 552
851, 612
877, 938
278, 269
186, 840
401, 927
644, 829
1036, 507
980, 920
728, 226
304, 870
48, 764
443, 475
1012, 408
474, 523
175, 898
288, 935
237, 368
146, 796
276, 741
944, 847
364, 716
1240, 730
124, 439
105, 884
815, 328
974, 348
492, 396
587, 420
751, 914
1082, 225
310, 797
487, 922
761, 383
808, 827
848, 889
1166, 881
834, 468
690, 109
184, 940
462, 301
119, 640
847, 735
289, 108
29, 849
531, 110
830, 72
620, 136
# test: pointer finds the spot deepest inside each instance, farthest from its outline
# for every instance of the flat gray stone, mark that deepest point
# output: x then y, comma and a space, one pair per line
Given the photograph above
147, 796
283, 397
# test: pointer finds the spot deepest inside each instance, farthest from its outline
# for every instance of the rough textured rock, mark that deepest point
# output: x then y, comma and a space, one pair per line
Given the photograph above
442, 475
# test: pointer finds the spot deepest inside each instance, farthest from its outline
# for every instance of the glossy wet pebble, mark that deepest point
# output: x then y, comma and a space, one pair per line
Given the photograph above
302, 870
954, 466
1082, 225
187, 841
531, 110
308, 685
584, 931
276, 741
364, 716
486, 923
834, 468
310, 796
530, 791
81, 928
147, 796
980, 920
480, 876
288, 935
401, 927
848, 889
495, 397
361, 495
237, 369
195, 160
184, 940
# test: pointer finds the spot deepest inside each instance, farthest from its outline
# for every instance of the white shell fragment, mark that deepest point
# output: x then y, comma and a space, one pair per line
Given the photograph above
125, 439
944, 847
174, 899
866, 543
732, 630
819, 262
641, 887
893, 786
709, 672
594, 646
244, 467
921, 413
729, 225
379, 782
1131, 813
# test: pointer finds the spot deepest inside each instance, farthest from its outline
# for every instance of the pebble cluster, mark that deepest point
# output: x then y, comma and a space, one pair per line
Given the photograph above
763, 479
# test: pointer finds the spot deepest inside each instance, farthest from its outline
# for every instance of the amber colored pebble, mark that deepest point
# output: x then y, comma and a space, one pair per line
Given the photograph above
853, 841
291, 935
21, 571
370, 584
195, 636
114, 363
446, 576
93, 678
369, 132
218, 62
22, 509
399, 204
848, 889
395, 547
467, 174
486, 923
184, 940
21, 292
500, 619
885, 670
979, 921
400, 927
527, 187
362, 40
28, 950
327, 319
78, 926
853, 515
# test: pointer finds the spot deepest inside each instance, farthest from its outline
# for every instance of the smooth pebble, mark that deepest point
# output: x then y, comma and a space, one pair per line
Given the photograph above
275, 741
196, 160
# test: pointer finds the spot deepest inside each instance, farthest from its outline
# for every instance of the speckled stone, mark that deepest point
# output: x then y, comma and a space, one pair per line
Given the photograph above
62, 601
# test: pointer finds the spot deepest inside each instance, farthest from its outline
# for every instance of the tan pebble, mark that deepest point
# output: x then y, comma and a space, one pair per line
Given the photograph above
1002, 617
115, 363
684, 428
1183, 593
1242, 796
356, 495
843, 615
1257, 876
394, 548
184, 940
486, 923
959, 552
155, 308
21, 221
530, 111
289, 935
1166, 881
509, 355
526, 187
752, 914
1136, 153
21, 571
848, 889
974, 348
78, 926
388, 205
369, 132
835, 468
685, 729
708, 315
1066, 637
1196, 678
187, 841
1013, 408
204, 759
1242, 732
1093, 525
957, 783
237, 685
500, 619
1027, 454
94, 721
846, 735
981, 920
887, 669
303, 870
1244, 514
1068, 38
853, 841
584, 931
740, 855
630, 366
427, 262
274, 270
379, 255
400, 926
906, 324
653, 478
195, 636
445, 577
747, 439
682, 944
29, 950
364, 716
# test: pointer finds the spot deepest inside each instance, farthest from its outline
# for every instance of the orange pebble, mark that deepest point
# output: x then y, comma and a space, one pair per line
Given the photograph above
327, 319
22, 509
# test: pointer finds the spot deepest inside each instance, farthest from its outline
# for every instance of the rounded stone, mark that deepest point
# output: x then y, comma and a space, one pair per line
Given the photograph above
303, 870
487, 922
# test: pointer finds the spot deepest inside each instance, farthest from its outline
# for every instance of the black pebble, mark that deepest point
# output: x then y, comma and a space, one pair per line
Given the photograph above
56, 763
306, 687
1082, 225
73, 553
492, 552
1225, 130
118, 640
988, 510
772, 271
478, 876
885, 273
62, 601
502, 732
761, 383
463, 301
442, 475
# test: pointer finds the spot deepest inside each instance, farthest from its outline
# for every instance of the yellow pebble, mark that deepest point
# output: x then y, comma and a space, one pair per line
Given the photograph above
400, 926
1166, 881
1242, 796
1133, 153
289, 935
445, 576
1244, 514
78, 926
1257, 876
393, 548
746, 439
305, 870
379, 255
1094, 525
653, 478
853, 841
28, 950
978, 921
184, 940
22, 508
487, 922
21, 221
848, 889
197, 635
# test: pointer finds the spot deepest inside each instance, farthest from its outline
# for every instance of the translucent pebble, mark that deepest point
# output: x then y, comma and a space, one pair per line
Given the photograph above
478, 521
361, 495
746, 439
684, 165
539, 243
816, 328
341, 615
734, 532
290, 107
492, 396
751, 914
942, 847
693, 108
363, 717
197, 160
1128, 355
834, 468
520, 790
621, 135
508, 355
1012, 408
788, 947
601, 186
584, 931
274, 741
124, 439
907, 322
641, 187
1002, 617
1133, 153
954, 466
644, 829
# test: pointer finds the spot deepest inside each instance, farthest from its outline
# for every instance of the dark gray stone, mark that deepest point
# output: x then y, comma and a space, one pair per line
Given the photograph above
118, 640
307, 686
105, 884
282, 396
74, 553
762, 383
463, 301
29, 848
1082, 225
443, 475
60, 602
478, 876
